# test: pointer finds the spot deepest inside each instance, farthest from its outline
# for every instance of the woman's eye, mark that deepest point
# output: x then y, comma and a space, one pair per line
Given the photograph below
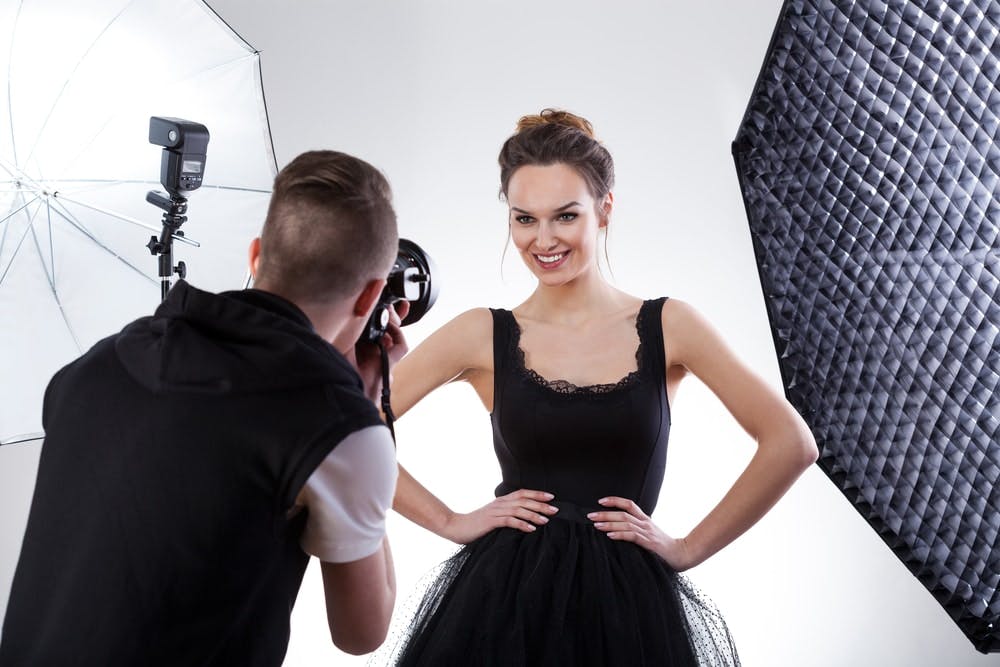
525, 219
566, 217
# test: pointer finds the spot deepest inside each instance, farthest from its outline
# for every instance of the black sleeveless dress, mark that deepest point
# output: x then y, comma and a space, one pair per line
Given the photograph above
567, 594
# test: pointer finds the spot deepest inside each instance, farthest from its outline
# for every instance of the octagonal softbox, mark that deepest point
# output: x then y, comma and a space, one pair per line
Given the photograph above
869, 164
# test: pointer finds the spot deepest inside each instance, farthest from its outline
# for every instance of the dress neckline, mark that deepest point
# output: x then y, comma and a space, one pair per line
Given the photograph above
566, 387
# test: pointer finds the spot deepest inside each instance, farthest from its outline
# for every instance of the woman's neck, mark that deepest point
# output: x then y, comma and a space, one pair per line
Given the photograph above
573, 303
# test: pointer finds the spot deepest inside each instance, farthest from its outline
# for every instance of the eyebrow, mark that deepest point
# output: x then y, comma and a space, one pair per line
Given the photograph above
561, 208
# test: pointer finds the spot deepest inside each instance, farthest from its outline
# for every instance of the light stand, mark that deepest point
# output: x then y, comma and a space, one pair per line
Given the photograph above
174, 208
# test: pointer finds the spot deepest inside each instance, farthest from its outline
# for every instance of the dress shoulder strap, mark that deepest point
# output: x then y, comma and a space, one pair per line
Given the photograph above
503, 337
503, 333
651, 332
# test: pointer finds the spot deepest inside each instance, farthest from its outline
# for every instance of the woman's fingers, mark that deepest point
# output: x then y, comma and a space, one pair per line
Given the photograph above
534, 506
623, 503
524, 509
629, 524
528, 504
527, 515
529, 494
614, 516
629, 536
519, 524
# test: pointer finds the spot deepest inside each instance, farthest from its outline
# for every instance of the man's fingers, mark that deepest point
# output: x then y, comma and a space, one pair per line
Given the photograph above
400, 310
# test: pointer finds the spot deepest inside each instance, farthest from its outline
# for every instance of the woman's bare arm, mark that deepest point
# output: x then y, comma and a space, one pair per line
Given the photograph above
460, 350
785, 447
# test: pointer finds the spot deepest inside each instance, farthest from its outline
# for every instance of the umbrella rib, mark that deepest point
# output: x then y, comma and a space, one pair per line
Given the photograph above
18, 439
104, 182
10, 59
236, 188
124, 218
110, 181
93, 186
20, 242
51, 277
69, 78
6, 228
13, 176
52, 250
18, 210
69, 327
38, 247
22, 180
223, 21
71, 219
50, 273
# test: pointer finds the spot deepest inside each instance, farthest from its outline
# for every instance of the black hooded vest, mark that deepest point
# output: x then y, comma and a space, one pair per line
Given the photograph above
159, 530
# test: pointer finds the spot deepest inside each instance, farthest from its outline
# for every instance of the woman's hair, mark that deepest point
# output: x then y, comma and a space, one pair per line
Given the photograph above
558, 137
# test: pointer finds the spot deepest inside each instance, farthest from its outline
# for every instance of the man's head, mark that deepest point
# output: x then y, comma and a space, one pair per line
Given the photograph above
330, 230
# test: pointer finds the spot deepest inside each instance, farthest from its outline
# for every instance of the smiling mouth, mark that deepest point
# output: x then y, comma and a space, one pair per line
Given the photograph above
551, 261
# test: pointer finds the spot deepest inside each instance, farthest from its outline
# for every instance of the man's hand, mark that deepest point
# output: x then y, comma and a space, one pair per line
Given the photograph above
368, 357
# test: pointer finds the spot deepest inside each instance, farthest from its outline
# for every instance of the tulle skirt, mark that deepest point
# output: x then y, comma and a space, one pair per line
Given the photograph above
565, 594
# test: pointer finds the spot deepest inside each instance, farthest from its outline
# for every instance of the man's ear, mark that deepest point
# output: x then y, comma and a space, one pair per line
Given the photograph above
368, 297
253, 255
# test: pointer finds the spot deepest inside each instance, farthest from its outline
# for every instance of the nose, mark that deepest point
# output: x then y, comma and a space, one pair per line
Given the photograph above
546, 239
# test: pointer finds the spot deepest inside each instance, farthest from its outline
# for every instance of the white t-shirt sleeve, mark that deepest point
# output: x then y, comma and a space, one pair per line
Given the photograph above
348, 496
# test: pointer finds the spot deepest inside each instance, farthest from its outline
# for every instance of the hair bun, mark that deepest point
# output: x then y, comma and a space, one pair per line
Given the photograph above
556, 117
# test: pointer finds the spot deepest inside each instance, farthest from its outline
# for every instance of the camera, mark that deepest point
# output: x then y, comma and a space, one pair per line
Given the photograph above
409, 280
185, 143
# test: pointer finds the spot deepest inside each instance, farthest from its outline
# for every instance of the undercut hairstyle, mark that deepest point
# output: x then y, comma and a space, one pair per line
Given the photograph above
330, 228
558, 137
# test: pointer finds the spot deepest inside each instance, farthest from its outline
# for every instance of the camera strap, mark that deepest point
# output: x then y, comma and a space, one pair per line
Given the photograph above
386, 405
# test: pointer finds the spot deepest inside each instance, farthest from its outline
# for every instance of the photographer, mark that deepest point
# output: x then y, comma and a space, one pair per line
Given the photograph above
194, 461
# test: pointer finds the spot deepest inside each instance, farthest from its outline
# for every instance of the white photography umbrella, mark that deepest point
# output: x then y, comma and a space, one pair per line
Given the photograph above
83, 80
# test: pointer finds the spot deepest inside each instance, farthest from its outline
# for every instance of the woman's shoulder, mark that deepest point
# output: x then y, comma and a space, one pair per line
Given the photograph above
471, 322
456, 345
679, 314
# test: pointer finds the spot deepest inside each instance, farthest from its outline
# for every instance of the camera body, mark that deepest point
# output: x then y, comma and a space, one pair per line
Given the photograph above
410, 279
185, 145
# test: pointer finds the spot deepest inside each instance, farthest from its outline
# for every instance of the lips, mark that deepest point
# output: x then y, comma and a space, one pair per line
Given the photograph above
552, 261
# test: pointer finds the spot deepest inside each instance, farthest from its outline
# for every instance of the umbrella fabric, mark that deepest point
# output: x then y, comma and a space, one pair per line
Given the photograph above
75, 164
869, 165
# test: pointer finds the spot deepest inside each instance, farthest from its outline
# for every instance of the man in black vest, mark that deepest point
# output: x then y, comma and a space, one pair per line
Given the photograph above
194, 460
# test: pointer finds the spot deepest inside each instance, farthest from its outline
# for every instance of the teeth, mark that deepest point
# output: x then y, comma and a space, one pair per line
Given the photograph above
548, 259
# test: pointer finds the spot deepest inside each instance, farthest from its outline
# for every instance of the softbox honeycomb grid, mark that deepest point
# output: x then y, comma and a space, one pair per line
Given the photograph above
869, 165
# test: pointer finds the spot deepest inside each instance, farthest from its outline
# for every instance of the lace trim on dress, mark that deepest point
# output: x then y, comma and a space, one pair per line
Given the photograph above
565, 387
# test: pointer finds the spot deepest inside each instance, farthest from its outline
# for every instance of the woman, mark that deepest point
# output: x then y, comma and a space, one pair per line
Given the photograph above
566, 567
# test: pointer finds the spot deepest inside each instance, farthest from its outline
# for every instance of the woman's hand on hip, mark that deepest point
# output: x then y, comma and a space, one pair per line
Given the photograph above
523, 510
630, 524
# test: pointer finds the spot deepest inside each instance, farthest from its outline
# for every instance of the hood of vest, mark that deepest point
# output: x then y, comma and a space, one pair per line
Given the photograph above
233, 342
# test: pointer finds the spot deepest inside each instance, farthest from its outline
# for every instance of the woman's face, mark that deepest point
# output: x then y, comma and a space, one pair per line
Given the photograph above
554, 222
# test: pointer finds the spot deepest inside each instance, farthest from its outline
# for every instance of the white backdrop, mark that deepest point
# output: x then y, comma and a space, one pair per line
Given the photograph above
427, 91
